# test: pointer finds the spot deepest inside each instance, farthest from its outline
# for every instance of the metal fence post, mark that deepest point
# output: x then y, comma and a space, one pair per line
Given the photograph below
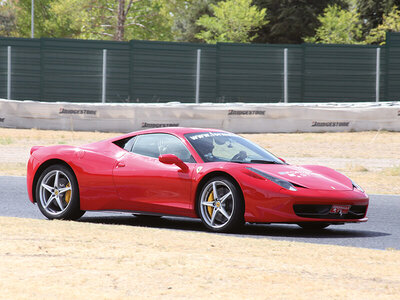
32, 19
378, 73
9, 72
285, 76
103, 90
198, 76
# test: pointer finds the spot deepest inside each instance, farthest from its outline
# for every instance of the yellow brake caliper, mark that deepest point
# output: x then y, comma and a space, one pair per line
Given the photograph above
68, 194
210, 199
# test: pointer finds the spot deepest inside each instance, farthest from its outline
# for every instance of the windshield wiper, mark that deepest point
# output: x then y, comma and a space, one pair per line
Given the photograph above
256, 161
238, 161
260, 161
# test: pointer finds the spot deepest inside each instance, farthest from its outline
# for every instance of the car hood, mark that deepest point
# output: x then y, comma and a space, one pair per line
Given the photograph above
312, 177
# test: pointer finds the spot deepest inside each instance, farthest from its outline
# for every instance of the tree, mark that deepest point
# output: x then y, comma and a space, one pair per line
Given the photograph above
183, 15
43, 17
338, 26
7, 19
94, 19
390, 22
53, 18
372, 12
124, 20
233, 21
146, 21
291, 20
65, 19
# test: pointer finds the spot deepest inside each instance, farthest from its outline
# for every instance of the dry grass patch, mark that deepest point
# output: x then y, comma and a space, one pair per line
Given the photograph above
393, 171
50, 137
68, 260
13, 169
369, 144
356, 168
376, 182
5, 140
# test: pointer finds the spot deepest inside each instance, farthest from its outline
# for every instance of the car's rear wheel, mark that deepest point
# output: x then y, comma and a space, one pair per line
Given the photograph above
220, 205
313, 226
57, 194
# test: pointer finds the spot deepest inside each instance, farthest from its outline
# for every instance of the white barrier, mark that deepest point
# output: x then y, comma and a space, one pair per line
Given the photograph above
235, 117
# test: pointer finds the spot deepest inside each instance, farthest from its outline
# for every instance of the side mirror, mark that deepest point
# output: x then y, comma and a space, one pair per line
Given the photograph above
282, 159
171, 159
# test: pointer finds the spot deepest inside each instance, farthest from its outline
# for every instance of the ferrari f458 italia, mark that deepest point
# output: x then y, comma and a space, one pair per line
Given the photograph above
217, 176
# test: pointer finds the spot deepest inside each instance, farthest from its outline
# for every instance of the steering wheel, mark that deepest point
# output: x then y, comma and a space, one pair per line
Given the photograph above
240, 156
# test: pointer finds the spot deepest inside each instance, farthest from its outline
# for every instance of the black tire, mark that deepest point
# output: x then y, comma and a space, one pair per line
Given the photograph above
313, 226
224, 214
65, 203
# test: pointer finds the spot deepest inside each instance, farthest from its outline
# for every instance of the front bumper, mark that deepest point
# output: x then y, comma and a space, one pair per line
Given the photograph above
305, 206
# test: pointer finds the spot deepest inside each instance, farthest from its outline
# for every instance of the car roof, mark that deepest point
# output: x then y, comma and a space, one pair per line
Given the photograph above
180, 131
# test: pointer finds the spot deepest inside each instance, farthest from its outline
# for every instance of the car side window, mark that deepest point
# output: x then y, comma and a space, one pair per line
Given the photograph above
126, 143
129, 144
156, 144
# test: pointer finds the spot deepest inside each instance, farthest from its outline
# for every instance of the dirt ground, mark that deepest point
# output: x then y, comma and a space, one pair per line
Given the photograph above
371, 158
69, 260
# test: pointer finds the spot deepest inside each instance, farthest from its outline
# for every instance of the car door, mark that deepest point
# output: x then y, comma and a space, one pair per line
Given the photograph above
145, 184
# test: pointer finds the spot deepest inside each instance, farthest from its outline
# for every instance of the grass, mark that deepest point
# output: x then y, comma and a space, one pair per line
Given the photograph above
6, 140
356, 168
370, 144
369, 158
377, 182
50, 137
68, 260
393, 171
13, 169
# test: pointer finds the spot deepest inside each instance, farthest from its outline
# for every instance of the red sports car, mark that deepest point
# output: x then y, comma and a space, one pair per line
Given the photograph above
210, 174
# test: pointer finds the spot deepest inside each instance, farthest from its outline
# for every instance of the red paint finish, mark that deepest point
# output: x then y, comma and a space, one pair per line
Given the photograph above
146, 184
111, 178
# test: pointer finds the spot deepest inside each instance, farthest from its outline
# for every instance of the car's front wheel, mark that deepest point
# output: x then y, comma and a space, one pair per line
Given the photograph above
57, 194
220, 205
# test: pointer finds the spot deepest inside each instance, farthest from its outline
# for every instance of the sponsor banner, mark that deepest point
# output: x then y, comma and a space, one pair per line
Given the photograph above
235, 117
330, 124
159, 125
77, 111
234, 112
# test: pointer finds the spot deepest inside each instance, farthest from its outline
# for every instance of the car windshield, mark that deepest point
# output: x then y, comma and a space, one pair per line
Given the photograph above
225, 146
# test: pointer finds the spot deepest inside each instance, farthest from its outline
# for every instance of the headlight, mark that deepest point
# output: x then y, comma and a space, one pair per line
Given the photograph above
283, 183
356, 186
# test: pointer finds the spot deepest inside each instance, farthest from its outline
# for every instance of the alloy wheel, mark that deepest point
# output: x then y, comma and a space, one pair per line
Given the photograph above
217, 204
55, 192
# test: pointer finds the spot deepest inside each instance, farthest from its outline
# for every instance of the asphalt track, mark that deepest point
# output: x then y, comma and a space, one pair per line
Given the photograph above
382, 231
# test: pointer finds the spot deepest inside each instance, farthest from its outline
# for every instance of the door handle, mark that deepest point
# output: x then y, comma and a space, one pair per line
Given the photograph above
120, 165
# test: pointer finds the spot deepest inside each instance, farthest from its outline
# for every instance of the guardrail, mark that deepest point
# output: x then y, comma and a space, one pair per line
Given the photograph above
235, 117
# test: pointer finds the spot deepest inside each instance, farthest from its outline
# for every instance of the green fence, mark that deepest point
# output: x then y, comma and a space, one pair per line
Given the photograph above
143, 71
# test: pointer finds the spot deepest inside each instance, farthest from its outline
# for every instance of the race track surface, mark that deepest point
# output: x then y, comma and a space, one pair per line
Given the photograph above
382, 231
